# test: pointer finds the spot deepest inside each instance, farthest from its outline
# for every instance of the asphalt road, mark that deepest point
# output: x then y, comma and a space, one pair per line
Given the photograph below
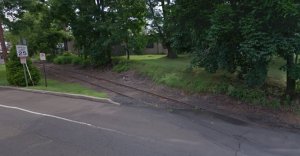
33, 124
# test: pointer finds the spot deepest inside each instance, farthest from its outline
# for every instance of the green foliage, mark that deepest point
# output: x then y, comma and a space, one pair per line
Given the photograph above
121, 66
174, 73
15, 73
3, 79
77, 61
161, 18
244, 37
39, 29
99, 25
68, 58
50, 58
190, 25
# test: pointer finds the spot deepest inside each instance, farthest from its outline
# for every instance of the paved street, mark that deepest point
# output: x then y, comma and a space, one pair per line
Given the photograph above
33, 124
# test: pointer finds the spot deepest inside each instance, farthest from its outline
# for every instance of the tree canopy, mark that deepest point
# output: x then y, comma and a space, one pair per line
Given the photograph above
233, 35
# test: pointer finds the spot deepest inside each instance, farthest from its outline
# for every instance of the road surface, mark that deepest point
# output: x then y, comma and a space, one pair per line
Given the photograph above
33, 124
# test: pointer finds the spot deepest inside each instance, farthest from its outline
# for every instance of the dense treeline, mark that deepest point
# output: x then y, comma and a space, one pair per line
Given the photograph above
233, 35
241, 36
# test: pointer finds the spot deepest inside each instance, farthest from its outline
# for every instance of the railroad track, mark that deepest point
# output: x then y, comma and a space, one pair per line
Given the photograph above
94, 80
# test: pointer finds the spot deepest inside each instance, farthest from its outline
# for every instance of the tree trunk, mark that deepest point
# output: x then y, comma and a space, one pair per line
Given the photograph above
291, 82
171, 54
127, 51
3, 46
66, 48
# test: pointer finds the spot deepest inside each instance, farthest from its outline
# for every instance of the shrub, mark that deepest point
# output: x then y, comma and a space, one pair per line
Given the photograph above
121, 66
63, 59
50, 58
77, 60
86, 63
68, 58
15, 72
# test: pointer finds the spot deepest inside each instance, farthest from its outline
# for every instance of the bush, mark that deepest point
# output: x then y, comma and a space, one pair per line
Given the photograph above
68, 58
50, 58
63, 60
15, 72
77, 61
121, 66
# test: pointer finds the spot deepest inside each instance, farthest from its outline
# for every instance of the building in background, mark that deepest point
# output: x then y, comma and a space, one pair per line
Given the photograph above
155, 48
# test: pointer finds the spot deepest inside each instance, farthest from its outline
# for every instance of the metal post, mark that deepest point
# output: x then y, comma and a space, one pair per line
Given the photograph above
29, 74
25, 75
45, 75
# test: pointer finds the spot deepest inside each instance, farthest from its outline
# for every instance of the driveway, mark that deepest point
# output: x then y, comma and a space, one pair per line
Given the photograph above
33, 124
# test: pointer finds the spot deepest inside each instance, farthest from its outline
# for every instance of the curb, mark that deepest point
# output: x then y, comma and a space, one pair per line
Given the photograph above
69, 95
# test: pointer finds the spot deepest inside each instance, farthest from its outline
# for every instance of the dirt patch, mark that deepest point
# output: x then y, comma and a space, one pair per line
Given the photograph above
217, 103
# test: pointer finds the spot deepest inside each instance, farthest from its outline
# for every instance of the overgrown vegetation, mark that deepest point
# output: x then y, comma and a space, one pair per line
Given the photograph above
236, 39
68, 58
178, 73
243, 37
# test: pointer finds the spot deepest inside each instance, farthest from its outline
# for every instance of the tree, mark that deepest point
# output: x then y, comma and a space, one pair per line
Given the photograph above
245, 36
98, 25
128, 24
191, 22
161, 17
10, 10
30, 19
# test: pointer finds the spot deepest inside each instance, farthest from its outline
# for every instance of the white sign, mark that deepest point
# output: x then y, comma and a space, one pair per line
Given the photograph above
23, 60
22, 51
42, 56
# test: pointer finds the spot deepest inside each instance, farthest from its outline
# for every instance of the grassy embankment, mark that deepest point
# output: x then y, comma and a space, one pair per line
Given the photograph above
177, 73
57, 86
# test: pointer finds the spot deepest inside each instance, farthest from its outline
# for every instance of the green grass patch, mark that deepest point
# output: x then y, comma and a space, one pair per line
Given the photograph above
177, 73
3, 80
72, 88
57, 86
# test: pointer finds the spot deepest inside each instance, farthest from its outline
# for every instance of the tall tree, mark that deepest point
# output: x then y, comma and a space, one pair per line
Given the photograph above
98, 25
191, 22
161, 17
245, 36
128, 23
9, 10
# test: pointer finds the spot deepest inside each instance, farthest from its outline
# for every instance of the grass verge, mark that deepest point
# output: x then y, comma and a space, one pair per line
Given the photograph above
57, 86
72, 88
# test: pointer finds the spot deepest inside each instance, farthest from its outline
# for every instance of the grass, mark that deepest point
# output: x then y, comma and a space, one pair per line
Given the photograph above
177, 73
3, 81
64, 87
57, 86
277, 76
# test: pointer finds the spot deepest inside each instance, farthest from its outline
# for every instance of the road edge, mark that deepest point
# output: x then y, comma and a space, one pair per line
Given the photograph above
69, 95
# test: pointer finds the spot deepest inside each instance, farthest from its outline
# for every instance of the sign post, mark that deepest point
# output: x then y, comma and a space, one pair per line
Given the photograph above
23, 62
22, 53
43, 59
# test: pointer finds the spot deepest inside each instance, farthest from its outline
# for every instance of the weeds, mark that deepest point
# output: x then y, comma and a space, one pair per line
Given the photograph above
177, 73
